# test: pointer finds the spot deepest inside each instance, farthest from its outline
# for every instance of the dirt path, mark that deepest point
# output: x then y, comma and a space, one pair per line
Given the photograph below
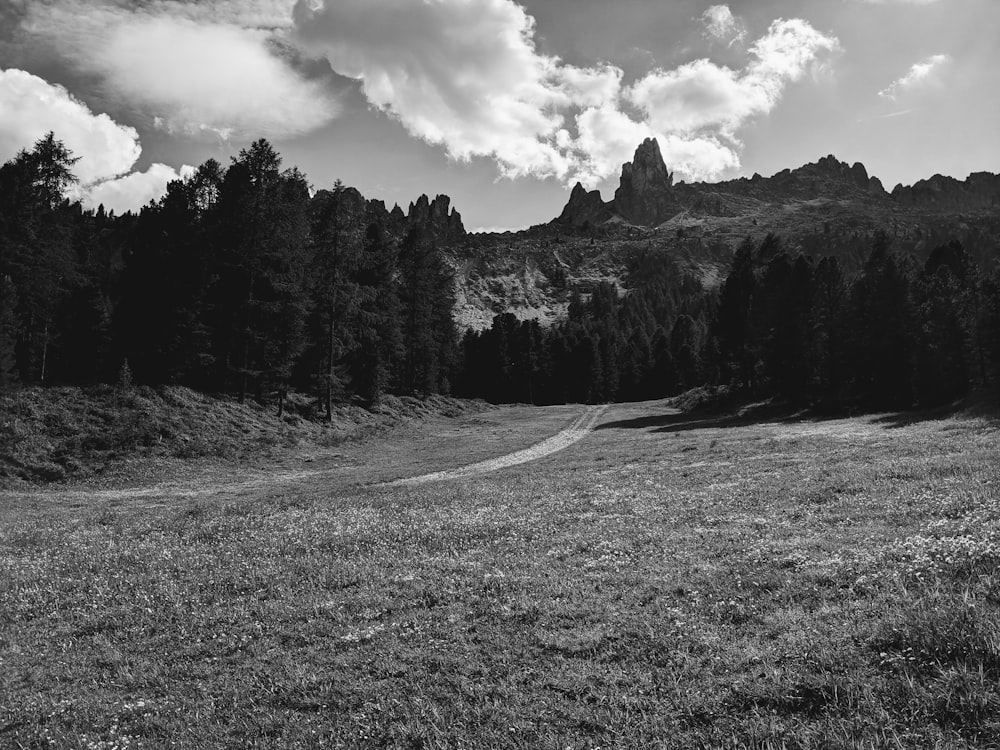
580, 427
262, 480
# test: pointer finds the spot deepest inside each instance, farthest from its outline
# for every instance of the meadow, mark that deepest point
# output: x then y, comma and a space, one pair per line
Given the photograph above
667, 581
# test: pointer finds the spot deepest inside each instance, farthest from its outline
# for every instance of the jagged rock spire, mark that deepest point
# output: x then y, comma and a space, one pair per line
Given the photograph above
645, 194
584, 207
435, 217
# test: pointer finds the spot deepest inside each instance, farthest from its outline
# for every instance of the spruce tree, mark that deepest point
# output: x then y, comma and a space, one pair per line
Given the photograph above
263, 229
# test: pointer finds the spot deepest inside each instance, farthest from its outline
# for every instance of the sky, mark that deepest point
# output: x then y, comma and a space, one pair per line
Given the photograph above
501, 105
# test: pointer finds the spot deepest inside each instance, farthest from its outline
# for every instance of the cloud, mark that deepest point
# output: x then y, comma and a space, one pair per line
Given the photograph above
722, 26
461, 73
106, 150
189, 67
919, 75
135, 190
607, 138
466, 74
709, 103
32, 107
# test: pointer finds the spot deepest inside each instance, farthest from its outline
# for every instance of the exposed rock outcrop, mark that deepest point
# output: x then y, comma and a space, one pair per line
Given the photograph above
584, 208
645, 193
980, 191
436, 219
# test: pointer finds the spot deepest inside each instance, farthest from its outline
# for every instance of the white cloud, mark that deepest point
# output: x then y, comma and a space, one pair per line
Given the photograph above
466, 74
696, 96
702, 96
919, 75
722, 26
700, 106
135, 190
106, 150
190, 67
588, 87
607, 139
32, 106
701, 158
461, 73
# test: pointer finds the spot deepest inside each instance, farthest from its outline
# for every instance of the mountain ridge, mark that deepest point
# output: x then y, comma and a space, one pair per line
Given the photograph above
647, 195
823, 208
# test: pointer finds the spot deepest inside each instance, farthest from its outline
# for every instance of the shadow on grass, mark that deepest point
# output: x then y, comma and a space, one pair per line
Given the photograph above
976, 405
684, 421
771, 413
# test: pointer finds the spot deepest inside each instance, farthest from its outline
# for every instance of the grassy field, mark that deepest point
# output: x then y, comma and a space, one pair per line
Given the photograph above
665, 582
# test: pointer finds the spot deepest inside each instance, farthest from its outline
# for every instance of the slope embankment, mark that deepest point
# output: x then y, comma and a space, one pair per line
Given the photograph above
57, 434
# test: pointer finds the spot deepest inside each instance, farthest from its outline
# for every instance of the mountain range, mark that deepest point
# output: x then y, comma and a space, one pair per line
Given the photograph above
825, 208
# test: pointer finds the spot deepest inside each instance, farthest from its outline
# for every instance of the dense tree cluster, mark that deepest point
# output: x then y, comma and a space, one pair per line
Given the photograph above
236, 281
612, 347
241, 281
898, 333
894, 335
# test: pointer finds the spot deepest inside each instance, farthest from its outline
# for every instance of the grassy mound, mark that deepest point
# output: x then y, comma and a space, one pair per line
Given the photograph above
53, 434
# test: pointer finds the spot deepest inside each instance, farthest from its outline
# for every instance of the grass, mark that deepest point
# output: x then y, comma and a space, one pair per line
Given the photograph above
666, 582
59, 434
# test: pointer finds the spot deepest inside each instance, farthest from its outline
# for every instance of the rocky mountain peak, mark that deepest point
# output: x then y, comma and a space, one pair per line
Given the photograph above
436, 218
647, 166
584, 207
648, 196
645, 193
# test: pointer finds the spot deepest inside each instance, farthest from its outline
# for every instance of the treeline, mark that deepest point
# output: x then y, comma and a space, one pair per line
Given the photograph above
896, 334
612, 347
241, 281
236, 281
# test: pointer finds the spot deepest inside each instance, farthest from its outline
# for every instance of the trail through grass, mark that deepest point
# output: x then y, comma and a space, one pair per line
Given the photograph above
662, 582
578, 430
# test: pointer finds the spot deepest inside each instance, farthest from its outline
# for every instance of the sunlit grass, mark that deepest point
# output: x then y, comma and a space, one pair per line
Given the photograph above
661, 583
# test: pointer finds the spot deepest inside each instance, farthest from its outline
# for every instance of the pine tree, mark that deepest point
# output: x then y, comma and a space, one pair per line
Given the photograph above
684, 348
732, 322
36, 251
8, 333
827, 323
883, 331
427, 298
337, 257
264, 230
379, 338
945, 296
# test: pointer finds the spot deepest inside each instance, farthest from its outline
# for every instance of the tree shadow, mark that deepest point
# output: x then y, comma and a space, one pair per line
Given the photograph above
677, 421
686, 421
641, 423
970, 407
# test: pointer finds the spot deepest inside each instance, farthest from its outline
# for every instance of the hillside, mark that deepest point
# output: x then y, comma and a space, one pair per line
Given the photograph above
824, 208
54, 434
